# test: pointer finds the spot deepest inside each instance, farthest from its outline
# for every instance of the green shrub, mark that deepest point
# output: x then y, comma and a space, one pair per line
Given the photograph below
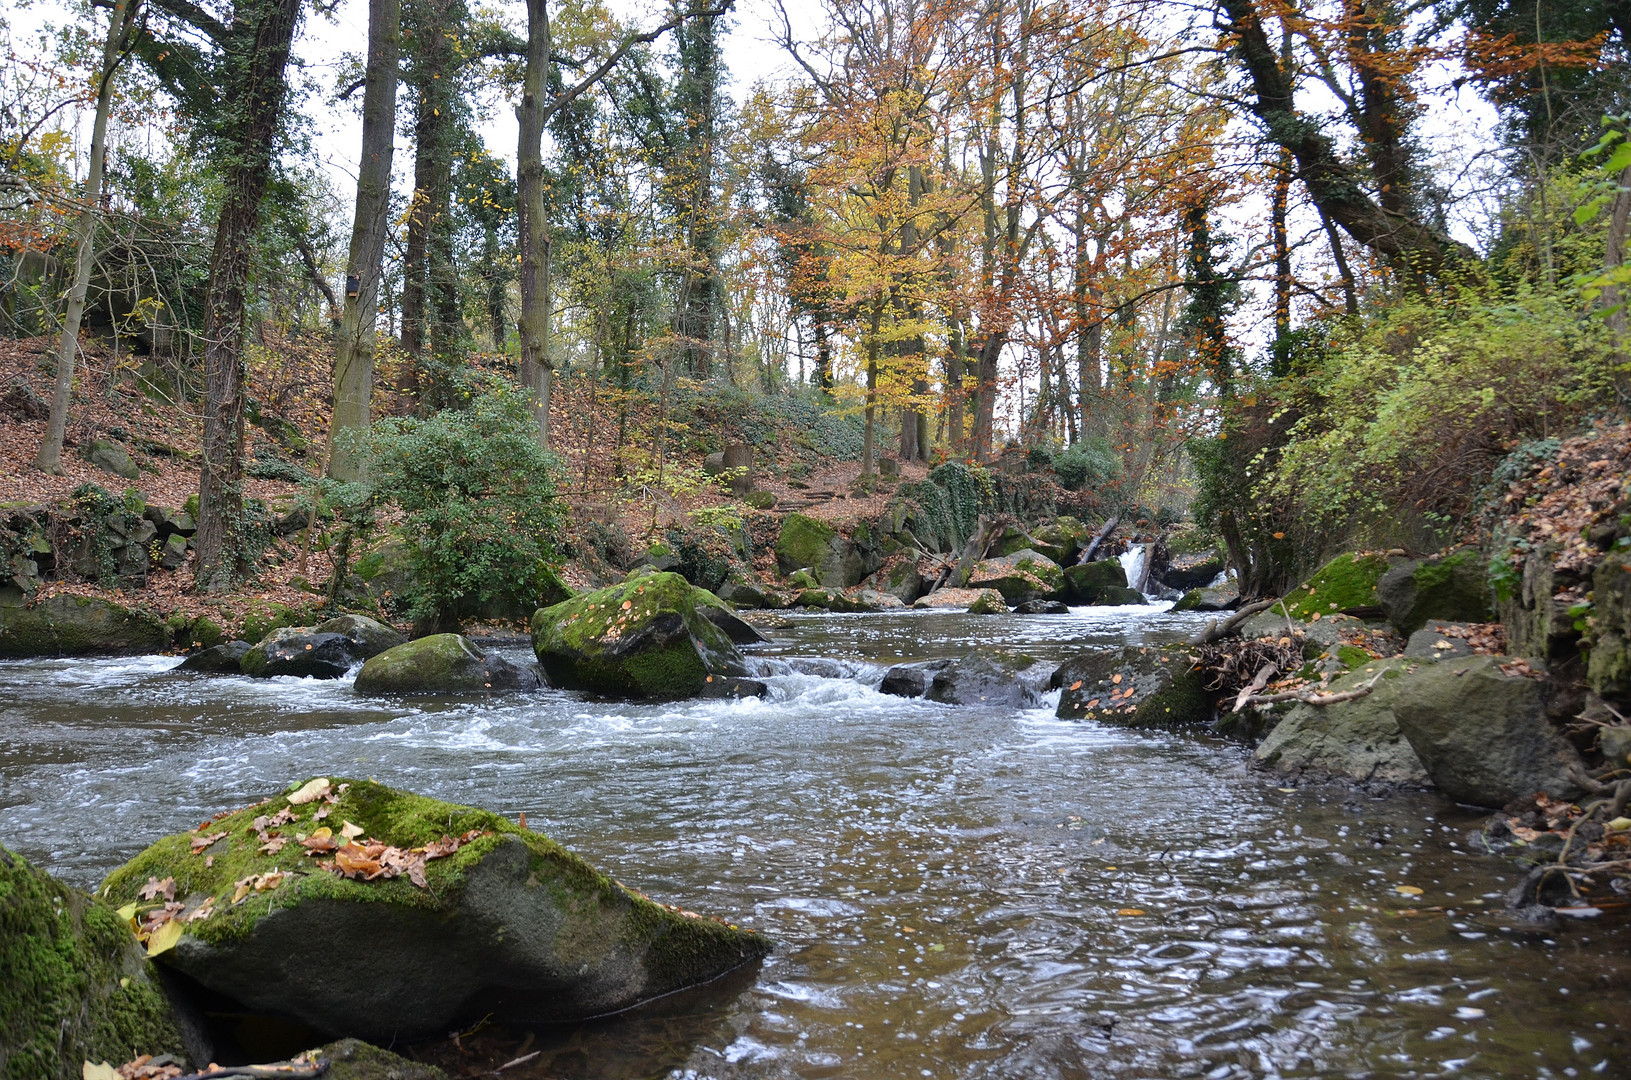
477, 493
1086, 465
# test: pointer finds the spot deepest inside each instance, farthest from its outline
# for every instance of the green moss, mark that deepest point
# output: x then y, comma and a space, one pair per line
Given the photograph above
353, 1059
1345, 584
1353, 656
79, 626
207, 633
262, 618
804, 541
74, 984
598, 640
1190, 601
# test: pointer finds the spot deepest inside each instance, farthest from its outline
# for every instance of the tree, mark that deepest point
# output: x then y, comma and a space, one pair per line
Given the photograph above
121, 24
354, 344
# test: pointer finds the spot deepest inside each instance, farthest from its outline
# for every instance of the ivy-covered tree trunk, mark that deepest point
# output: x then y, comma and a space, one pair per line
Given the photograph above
254, 95
691, 180
354, 345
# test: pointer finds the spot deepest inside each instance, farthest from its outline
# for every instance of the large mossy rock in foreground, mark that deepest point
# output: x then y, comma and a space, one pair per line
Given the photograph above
1454, 588
77, 626
1136, 686
1345, 585
74, 984
651, 636
1483, 735
510, 924
441, 664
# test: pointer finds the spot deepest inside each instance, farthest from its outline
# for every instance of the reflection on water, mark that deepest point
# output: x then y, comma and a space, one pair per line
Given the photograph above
956, 892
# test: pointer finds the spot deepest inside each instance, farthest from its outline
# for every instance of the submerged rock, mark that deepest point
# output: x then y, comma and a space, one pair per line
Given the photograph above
77, 626
509, 925
985, 680
74, 984
1483, 735
1136, 686
910, 680
650, 636
442, 664
223, 659
300, 651
1358, 739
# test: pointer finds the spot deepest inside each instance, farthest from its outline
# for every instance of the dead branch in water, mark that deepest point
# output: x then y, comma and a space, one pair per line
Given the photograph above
1216, 630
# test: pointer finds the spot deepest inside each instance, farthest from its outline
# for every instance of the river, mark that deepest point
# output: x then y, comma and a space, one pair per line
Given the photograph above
955, 891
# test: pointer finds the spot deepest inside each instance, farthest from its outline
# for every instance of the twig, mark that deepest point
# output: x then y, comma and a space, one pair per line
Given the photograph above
1321, 700
1260, 680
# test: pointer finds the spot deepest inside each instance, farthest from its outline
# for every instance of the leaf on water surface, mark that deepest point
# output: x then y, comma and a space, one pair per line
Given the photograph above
1130, 911
164, 938
1407, 890
156, 888
937, 947
310, 791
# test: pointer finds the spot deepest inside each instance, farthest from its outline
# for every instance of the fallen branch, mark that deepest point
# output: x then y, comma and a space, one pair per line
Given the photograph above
1098, 538
1260, 680
1309, 697
285, 1070
1216, 630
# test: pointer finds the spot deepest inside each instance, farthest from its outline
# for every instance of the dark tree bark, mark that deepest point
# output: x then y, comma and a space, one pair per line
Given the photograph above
1335, 185
354, 345
254, 94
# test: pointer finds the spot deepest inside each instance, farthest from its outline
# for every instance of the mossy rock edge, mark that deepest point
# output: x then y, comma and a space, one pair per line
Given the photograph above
74, 984
512, 924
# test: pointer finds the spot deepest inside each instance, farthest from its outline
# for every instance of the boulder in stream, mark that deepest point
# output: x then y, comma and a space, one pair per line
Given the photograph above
367, 637
65, 625
1023, 575
1041, 607
650, 636
442, 664
1135, 686
1483, 734
1100, 583
223, 659
1005, 681
1357, 739
301, 651
74, 984
420, 915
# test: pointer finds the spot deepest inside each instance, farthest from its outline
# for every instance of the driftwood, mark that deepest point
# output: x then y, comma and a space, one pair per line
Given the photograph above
1098, 538
1260, 680
1217, 630
283, 1070
1311, 697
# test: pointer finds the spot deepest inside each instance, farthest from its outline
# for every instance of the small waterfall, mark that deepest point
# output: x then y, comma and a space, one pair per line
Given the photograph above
1136, 562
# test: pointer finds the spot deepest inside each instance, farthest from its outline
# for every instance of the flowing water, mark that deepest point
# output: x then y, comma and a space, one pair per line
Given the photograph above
955, 892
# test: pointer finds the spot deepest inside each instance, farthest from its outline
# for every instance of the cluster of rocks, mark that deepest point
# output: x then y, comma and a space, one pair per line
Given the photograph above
514, 928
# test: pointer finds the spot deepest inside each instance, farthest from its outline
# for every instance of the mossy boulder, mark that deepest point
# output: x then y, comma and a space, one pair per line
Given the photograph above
1061, 540
1025, 575
1136, 686
441, 664
987, 602
1084, 584
646, 637
1454, 588
262, 618
300, 651
1345, 585
77, 626
832, 600
1358, 739
805, 542
510, 925
353, 1059
1223, 597
74, 984
1608, 667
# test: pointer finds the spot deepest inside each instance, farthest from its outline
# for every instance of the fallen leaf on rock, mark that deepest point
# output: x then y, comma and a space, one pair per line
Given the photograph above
1116, 678
351, 831
204, 911
156, 888
102, 1071
310, 791
201, 842
164, 938
273, 845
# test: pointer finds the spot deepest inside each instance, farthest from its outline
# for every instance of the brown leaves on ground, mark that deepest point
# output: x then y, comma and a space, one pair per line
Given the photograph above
1485, 638
147, 1067
1586, 486
372, 860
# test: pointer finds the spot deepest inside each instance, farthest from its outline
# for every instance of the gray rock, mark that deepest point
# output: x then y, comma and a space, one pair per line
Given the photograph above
1483, 735
834, 561
1358, 739
111, 458
911, 680
738, 631
170, 522
746, 594
984, 680
514, 926
299, 651
367, 637
1454, 588
1136, 686
1041, 607
1431, 643
1085, 583
442, 664
879, 601
173, 555
1614, 743
1023, 575
902, 580
1225, 597
225, 658
1318, 637
1185, 572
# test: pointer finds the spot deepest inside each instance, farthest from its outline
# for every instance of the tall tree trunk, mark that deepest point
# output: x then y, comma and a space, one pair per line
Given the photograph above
1282, 265
49, 458
537, 371
1612, 299
354, 345
869, 437
255, 91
